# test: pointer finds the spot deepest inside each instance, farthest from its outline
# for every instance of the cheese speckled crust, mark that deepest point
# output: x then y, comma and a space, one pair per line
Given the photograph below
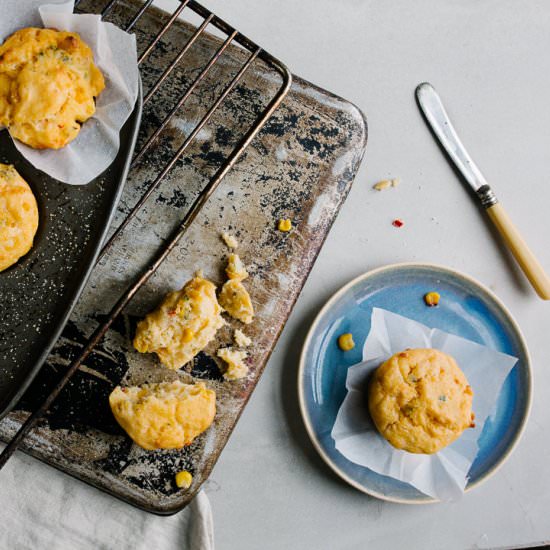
168, 415
18, 216
420, 400
234, 298
48, 82
185, 322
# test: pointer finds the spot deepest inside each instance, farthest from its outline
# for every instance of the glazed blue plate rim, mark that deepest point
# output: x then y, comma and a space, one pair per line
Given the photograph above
486, 294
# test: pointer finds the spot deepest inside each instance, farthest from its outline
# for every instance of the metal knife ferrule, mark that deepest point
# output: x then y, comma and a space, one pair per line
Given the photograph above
487, 196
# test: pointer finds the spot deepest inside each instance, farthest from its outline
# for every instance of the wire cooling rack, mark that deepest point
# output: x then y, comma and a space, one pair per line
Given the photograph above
208, 22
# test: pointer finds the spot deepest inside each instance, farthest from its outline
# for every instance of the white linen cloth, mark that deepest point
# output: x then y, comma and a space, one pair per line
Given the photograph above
44, 509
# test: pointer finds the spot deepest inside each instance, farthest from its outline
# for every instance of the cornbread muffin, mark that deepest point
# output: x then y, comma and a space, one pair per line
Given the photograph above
168, 415
48, 86
234, 298
18, 216
184, 323
420, 400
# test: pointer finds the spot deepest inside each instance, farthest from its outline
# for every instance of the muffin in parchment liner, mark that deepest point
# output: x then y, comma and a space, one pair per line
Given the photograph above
68, 81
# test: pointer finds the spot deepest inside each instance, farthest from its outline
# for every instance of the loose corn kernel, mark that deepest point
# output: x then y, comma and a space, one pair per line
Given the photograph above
285, 225
184, 479
431, 299
187, 335
345, 342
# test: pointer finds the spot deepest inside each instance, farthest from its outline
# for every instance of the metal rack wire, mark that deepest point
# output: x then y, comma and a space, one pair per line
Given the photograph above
255, 52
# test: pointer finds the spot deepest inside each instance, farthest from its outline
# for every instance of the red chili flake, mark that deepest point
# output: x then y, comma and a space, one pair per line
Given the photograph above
398, 223
172, 312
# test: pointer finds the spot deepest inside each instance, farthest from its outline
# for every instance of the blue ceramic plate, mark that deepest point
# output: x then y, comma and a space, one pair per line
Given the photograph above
467, 309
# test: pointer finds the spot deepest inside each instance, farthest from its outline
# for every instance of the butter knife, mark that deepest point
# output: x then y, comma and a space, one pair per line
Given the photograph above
436, 116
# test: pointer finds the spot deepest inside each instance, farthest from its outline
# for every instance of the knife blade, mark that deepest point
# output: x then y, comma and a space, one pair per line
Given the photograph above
437, 118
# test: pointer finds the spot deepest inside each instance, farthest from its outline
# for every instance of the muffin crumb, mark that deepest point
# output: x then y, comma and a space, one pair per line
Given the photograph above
236, 367
241, 339
229, 240
385, 184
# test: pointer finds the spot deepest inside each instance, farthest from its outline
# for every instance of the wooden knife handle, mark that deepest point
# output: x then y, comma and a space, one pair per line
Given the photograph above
522, 253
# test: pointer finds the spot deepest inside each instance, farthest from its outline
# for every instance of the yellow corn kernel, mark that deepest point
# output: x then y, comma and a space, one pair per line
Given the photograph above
431, 299
285, 225
187, 335
345, 341
184, 479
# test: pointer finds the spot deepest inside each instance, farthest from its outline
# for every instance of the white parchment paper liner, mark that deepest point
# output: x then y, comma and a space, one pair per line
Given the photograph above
442, 475
98, 142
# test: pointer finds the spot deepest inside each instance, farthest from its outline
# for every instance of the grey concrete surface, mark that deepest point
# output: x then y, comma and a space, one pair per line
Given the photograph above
490, 61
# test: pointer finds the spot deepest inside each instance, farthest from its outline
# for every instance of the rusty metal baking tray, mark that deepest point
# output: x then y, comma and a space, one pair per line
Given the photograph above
38, 293
300, 166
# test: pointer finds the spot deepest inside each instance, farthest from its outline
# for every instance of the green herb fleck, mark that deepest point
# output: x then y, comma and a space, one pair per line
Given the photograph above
442, 398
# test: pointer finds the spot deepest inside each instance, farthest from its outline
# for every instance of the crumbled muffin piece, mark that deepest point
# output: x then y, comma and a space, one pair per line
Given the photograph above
235, 269
234, 298
168, 415
184, 323
236, 368
229, 240
241, 339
